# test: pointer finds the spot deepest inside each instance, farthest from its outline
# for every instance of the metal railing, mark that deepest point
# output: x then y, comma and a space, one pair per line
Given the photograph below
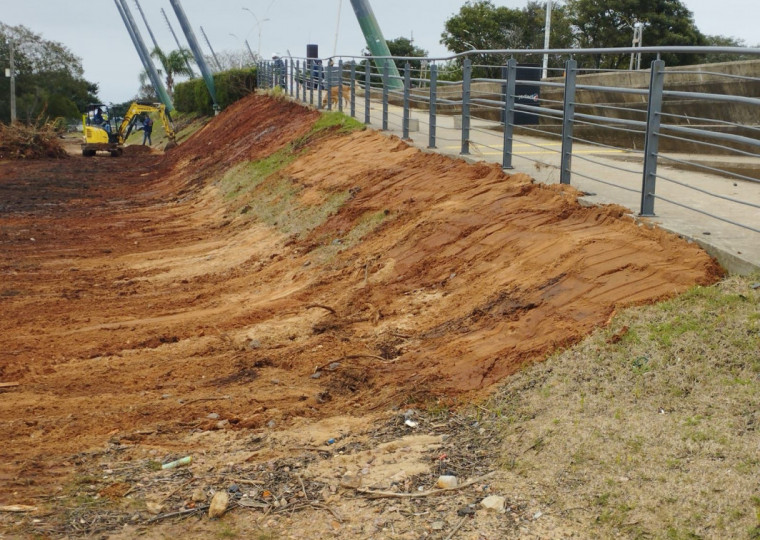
628, 129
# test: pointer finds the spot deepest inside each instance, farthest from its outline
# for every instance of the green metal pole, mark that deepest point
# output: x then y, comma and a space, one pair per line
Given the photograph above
376, 42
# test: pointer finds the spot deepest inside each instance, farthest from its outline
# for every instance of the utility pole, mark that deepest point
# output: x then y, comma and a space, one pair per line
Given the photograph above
12, 75
179, 47
218, 65
547, 32
253, 57
184, 24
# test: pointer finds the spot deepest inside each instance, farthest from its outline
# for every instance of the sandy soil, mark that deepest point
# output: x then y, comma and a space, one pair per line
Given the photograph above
137, 299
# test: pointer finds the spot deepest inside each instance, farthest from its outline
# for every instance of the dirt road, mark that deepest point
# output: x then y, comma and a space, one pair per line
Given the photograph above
149, 298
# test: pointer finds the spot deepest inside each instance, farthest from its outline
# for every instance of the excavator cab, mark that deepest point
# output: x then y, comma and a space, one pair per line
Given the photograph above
99, 125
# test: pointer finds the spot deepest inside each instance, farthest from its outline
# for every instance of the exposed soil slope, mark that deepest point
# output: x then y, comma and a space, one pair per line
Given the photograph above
361, 274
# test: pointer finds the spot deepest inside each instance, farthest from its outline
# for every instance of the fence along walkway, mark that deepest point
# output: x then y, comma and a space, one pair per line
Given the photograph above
680, 146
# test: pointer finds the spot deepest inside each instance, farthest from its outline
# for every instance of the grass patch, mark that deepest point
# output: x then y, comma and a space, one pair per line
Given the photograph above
260, 191
649, 428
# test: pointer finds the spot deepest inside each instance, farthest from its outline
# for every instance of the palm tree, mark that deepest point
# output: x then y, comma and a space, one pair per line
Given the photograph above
175, 63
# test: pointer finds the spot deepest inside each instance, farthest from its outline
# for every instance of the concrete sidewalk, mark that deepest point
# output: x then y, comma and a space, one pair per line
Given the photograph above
615, 176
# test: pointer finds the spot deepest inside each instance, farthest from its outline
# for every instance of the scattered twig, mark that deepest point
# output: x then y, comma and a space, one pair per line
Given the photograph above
17, 508
392, 494
9, 384
455, 529
303, 487
322, 306
327, 508
181, 513
352, 357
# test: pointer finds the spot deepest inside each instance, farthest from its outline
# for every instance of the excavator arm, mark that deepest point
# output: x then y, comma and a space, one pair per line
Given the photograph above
137, 108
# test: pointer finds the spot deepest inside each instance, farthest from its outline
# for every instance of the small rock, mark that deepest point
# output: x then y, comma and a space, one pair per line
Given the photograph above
154, 507
254, 344
222, 424
446, 482
219, 503
411, 423
438, 525
198, 495
271, 424
466, 511
494, 502
316, 375
755, 286
275, 381
351, 481
538, 515
213, 416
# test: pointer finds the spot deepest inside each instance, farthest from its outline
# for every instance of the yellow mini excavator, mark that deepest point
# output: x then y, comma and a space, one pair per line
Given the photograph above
103, 132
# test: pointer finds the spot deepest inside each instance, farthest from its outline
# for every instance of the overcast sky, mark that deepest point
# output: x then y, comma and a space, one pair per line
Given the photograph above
94, 31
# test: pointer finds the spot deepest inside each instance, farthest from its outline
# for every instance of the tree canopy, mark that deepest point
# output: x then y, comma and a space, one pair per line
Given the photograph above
49, 77
174, 63
402, 46
481, 25
609, 23
575, 24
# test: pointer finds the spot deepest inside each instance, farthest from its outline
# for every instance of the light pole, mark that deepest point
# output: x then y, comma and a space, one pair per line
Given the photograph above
638, 37
547, 32
258, 25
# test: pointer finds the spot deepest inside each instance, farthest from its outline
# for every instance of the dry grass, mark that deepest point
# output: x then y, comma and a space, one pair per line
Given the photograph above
31, 141
651, 427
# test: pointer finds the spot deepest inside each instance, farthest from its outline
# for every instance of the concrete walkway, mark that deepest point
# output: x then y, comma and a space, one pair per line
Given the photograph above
736, 248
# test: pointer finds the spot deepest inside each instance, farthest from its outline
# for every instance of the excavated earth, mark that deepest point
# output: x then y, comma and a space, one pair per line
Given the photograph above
153, 297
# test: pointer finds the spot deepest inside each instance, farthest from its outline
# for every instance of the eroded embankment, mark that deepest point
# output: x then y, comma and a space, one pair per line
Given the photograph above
278, 270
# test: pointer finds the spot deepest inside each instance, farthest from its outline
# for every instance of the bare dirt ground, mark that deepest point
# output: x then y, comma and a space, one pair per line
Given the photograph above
158, 306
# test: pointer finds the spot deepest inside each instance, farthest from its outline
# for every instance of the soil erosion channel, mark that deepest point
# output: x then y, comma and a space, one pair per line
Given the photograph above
271, 271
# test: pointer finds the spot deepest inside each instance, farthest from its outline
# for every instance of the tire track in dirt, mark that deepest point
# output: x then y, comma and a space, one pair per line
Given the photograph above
146, 291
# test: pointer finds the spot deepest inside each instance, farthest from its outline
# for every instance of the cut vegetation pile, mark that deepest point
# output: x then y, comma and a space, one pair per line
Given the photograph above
283, 282
30, 141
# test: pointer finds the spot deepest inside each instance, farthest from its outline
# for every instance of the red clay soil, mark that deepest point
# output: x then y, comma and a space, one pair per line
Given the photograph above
135, 293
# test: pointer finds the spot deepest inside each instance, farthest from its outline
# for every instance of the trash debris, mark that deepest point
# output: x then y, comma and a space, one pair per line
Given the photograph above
446, 482
218, 505
178, 463
412, 423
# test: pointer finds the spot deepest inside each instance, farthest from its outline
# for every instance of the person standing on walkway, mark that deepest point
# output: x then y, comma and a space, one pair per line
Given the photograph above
147, 130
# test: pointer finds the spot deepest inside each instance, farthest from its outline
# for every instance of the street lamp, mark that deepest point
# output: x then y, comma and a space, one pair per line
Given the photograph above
258, 25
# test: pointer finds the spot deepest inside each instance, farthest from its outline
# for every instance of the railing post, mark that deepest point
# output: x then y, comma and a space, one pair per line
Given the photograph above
310, 65
386, 75
320, 84
652, 140
353, 89
433, 104
510, 75
290, 77
568, 118
367, 89
407, 85
296, 82
258, 74
339, 88
466, 78
329, 85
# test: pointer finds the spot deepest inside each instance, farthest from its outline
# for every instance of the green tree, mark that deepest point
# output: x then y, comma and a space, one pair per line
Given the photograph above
609, 23
481, 25
402, 46
725, 41
49, 77
174, 63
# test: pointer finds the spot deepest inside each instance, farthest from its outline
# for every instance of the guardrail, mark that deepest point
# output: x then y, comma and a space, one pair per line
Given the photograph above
625, 124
